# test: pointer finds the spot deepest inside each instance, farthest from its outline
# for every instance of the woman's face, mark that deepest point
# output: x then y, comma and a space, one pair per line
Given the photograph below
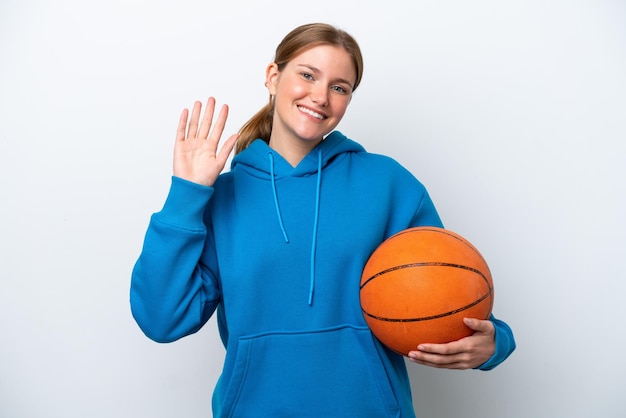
312, 93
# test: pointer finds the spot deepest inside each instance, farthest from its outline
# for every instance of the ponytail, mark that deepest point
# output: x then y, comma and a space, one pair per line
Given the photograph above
259, 126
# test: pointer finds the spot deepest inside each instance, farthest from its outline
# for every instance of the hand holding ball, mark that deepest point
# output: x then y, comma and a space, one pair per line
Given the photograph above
419, 284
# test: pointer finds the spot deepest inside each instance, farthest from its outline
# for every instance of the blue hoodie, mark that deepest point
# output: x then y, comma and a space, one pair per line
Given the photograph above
279, 252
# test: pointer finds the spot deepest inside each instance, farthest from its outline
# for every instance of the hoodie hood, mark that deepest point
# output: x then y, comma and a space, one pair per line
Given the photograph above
263, 162
254, 159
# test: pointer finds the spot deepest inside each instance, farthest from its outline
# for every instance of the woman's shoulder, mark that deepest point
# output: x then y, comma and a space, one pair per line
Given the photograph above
383, 163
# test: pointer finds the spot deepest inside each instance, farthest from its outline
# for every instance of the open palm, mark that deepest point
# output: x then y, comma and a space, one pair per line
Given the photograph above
196, 156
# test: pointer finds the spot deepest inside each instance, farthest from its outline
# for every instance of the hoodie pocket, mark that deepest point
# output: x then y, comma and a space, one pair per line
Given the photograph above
328, 373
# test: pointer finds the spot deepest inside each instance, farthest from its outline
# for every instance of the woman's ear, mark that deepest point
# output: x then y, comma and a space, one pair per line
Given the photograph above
271, 78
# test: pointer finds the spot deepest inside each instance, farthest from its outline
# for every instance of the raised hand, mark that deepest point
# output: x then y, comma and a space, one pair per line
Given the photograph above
196, 156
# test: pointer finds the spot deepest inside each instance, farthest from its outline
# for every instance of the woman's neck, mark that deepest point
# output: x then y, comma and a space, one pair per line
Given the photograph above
292, 151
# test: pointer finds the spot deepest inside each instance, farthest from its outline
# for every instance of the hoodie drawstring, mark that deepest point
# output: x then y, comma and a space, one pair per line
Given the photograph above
280, 218
315, 221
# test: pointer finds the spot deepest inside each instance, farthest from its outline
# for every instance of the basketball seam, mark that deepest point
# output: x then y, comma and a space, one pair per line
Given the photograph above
425, 264
429, 264
444, 231
427, 318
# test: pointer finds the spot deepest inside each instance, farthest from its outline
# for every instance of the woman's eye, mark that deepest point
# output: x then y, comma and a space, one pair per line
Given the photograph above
339, 89
307, 76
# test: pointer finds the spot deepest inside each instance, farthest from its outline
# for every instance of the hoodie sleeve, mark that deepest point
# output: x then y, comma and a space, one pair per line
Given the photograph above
172, 292
426, 214
505, 344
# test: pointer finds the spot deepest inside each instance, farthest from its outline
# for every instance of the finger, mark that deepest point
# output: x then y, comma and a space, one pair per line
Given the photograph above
207, 119
227, 148
192, 131
484, 326
429, 358
220, 122
182, 124
456, 360
454, 347
441, 363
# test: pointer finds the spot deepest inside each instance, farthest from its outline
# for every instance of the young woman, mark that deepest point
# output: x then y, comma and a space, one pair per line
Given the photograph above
277, 246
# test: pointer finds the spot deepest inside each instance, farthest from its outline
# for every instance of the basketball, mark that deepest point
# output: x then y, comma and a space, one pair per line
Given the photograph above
419, 284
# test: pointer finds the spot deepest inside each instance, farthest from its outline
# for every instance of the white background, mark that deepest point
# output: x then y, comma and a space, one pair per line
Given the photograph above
511, 112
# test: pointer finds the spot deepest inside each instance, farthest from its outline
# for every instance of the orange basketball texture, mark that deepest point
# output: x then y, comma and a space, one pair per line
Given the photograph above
419, 284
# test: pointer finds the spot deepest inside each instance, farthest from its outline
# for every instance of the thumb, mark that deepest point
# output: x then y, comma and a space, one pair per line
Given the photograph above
478, 325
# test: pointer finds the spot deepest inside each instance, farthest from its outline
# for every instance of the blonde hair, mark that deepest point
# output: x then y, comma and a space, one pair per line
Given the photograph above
297, 41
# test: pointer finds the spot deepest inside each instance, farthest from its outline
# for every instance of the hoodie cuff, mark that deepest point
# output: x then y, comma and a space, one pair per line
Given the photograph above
185, 204
505, 344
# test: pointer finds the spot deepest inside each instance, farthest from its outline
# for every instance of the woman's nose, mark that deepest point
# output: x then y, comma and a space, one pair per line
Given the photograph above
319, 95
